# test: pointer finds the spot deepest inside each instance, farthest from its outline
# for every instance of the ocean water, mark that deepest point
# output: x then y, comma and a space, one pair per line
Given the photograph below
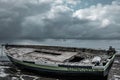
13, 73
97, 44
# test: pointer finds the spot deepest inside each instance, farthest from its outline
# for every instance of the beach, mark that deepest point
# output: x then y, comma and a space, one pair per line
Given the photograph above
10, 72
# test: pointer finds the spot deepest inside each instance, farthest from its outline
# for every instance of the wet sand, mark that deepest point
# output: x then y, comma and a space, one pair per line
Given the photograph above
13, 73
115, 70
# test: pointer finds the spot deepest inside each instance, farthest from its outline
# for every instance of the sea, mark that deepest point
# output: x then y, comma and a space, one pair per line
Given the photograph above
9, 72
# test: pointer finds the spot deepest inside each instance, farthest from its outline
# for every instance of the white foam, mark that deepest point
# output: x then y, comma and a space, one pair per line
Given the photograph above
116, 61
113, 68
2, 73
15, 78
117, 76
21, 77
4, 67
35, 77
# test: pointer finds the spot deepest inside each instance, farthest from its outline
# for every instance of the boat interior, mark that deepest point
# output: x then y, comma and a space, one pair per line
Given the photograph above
55, 54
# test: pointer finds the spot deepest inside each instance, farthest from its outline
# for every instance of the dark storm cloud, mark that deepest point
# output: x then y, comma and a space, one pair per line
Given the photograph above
12, 14
9, 24
38, 19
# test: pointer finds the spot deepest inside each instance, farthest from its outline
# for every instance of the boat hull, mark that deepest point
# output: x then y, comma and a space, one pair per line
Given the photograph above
63, 74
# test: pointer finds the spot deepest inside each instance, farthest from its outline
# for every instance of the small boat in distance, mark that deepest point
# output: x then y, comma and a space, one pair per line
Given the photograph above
61, 61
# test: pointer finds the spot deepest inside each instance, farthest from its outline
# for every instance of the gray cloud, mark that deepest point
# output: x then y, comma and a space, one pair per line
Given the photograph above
39, 19
12, 14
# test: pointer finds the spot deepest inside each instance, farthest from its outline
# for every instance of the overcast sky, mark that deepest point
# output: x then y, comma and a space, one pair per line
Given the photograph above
59, 19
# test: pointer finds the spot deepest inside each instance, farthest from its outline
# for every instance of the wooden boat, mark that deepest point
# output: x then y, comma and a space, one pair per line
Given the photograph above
61, 61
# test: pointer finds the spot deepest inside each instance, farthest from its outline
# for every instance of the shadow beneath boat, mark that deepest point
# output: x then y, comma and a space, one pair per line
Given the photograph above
75, 78
62, 77
83, 78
